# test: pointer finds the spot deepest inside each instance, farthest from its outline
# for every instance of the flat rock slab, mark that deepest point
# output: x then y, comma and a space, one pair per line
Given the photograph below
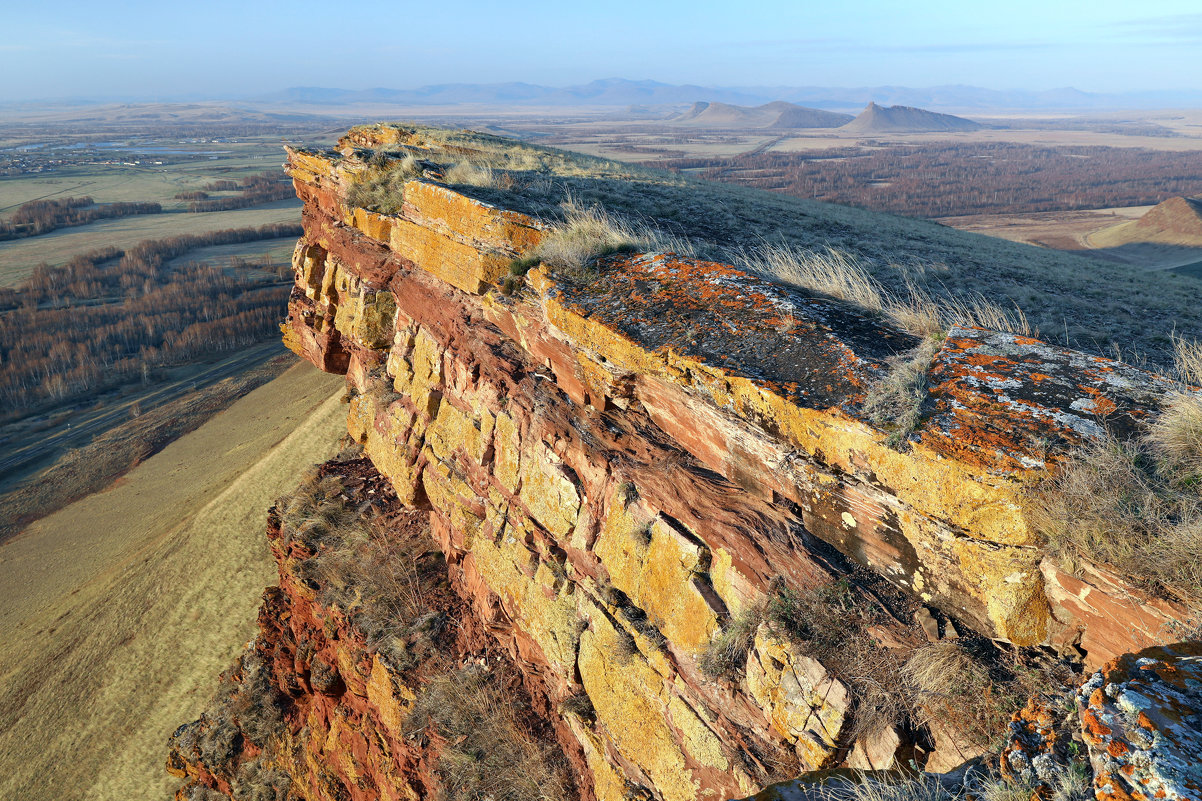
1010, 404
815, 352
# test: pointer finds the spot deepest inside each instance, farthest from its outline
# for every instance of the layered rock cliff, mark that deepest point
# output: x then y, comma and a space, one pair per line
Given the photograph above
664, 522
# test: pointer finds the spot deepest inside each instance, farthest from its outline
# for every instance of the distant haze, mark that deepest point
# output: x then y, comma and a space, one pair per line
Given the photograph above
230, 50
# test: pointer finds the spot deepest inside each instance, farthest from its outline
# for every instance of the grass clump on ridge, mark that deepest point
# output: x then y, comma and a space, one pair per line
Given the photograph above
488, 752
384, 191
1135, 505
587, 234
843, 276
894, 402
382, 583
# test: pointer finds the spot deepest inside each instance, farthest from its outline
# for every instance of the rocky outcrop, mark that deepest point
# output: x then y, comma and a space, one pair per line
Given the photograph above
624, 468
1141, 718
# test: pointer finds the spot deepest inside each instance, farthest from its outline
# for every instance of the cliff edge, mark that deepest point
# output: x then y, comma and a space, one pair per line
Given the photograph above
668, 522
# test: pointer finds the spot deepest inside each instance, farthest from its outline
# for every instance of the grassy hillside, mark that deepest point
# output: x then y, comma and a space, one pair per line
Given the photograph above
1090, 303
121, 609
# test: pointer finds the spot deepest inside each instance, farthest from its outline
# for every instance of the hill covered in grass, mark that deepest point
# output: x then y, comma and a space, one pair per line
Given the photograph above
775, 115
906, 119
1176, 221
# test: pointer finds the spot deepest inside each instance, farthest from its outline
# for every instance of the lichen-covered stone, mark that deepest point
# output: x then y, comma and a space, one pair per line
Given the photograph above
1141, 716
804, 702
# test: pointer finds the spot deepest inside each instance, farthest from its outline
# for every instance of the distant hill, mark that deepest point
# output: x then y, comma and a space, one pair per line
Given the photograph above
1176, 221
775, 115
906, 119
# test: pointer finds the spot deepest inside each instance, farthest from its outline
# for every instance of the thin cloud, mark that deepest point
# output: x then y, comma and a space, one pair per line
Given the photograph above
851, 45
1175, 28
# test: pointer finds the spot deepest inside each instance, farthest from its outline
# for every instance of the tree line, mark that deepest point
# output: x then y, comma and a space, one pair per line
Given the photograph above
252, 191
42, 216
112, 316
948, 179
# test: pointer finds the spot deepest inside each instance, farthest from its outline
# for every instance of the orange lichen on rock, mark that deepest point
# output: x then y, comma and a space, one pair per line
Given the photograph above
1140, 717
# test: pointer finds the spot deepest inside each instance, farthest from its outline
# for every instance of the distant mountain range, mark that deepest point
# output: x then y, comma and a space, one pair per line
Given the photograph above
653, 98
622, 92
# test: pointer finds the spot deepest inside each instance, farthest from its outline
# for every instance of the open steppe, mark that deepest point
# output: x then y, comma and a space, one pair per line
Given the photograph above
120, 609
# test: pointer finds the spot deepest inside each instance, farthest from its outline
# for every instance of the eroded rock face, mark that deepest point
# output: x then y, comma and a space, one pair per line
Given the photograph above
1141, 716
619, 469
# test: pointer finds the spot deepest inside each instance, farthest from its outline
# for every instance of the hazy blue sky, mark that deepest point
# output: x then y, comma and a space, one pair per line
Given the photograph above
159, 49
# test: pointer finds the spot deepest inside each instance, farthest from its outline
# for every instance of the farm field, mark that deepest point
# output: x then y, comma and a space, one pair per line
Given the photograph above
131, 184
18, 257
277, 251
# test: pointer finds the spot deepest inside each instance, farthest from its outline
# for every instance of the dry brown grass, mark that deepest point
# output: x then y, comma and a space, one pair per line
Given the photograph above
380, 582
1134, 505
587, 233
1176, 438
1176, 434
472, 173
841, 275
488, 750
828, 622
949, 686
726, 655
895, 401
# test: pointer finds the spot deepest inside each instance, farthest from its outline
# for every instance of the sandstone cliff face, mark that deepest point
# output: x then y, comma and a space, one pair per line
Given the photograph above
622, 468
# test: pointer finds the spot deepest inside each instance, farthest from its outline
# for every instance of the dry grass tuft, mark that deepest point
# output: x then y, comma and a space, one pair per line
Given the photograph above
842, 275
1187, 358
589, 233
384, 191
726, 655
895, 401
472, 173
488, 752
1128, 505
1070, 785
1176, 438
919, 788
1176, 434
950, 686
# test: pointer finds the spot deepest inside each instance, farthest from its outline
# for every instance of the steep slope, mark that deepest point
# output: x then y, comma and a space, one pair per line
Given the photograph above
658, 491
906, 119
121, 608
775, 115
1176, 221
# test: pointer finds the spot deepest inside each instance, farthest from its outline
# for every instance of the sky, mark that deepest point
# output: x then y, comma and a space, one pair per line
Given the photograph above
160, 50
